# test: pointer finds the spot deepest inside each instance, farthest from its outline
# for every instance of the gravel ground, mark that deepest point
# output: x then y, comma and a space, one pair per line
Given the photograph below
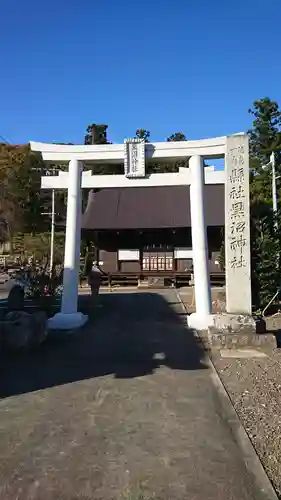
254, 386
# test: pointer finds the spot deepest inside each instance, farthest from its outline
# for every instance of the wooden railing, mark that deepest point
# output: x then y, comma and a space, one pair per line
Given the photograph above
167, 278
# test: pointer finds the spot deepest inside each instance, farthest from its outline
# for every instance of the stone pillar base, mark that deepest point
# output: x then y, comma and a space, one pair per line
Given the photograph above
237, 330
200, 322
62, 321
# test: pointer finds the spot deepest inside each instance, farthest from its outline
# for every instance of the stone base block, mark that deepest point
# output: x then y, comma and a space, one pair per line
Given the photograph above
238, 340
237, 330
62, 321
233, 323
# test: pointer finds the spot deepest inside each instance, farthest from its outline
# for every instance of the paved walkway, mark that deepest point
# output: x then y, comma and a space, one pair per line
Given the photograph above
127, 410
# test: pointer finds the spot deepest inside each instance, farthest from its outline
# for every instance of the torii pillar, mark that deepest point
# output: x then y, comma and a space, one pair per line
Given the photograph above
69, 317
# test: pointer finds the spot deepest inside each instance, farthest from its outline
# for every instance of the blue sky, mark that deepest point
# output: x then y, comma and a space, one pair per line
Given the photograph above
188, 65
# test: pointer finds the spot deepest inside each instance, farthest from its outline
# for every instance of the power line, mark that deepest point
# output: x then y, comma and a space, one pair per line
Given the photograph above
5, 140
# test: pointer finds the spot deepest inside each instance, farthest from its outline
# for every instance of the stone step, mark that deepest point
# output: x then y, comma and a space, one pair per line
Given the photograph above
238, 340
151, 283
143, 284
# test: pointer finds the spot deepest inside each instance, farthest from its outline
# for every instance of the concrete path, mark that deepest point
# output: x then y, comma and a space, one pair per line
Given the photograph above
127, 410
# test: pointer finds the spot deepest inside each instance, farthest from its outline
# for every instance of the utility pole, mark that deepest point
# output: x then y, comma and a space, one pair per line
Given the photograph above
272, 165
53, 222
52, 232
274, 188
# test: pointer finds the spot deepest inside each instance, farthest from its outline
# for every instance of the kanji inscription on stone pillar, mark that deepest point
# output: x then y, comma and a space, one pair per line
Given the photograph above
237, 226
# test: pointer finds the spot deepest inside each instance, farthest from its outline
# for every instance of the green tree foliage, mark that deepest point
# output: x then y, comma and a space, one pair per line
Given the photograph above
21, 198
177, 136
96, 134
265, 137
4, 230
38, 246
265, 247
162, 167
142, 133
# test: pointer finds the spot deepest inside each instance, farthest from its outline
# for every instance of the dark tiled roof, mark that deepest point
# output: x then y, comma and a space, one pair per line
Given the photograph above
149, 208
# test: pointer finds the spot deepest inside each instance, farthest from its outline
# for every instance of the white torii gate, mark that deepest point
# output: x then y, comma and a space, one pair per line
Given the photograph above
235, 176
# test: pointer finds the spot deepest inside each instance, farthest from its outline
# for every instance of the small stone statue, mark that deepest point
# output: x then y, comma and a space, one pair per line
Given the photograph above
18, 330
23, 330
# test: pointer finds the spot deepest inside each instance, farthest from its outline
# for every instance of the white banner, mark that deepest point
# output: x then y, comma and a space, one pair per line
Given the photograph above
128, 255
183, 253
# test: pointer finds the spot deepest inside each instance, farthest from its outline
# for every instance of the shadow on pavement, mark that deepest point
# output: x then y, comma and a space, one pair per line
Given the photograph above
129, 335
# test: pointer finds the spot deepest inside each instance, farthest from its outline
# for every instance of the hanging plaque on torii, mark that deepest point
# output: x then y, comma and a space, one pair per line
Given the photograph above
134, 158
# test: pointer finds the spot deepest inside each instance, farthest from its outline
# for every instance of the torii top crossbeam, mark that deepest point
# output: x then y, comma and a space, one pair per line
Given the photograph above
114, 153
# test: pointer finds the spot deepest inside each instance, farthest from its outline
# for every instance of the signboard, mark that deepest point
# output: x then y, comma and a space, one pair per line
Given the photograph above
134, 158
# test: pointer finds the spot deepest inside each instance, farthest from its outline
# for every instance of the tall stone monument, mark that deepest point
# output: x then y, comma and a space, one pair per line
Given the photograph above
237, 226
238, 318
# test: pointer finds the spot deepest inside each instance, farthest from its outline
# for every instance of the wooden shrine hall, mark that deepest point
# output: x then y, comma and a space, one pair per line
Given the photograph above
138, 233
